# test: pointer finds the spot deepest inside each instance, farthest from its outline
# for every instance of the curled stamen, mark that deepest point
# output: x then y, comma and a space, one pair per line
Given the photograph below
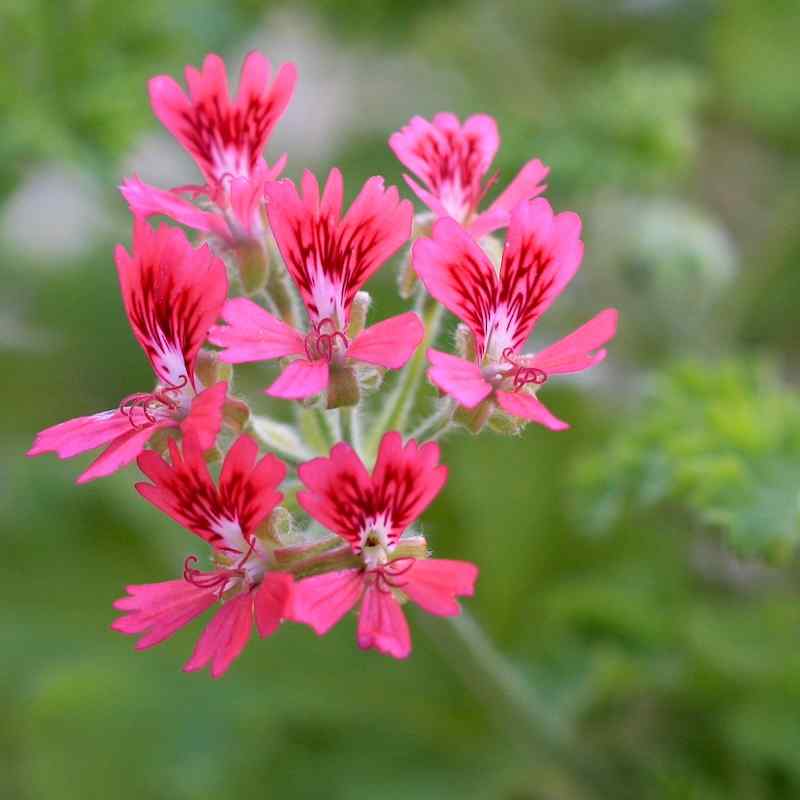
521, 373
208, 580
386, 577
149, 401
322, 340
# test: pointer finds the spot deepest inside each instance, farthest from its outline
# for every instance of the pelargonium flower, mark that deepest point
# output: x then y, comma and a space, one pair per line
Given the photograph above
330, 258
226, 516
172, 294
542, 254
226, 137
371, 513
452, 160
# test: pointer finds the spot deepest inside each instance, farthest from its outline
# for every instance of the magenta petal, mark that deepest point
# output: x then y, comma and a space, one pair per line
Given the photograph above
160, 609
224, 637
389, 343
433, 584
382, 625
252, 334
300, 379
122, 451
581, 349
272, 602
146, 200
205, 416
322, 600
81, 434
457, 377
430, 200
528, 407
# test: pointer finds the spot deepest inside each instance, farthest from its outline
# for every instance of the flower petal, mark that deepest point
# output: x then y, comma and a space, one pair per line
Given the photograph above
160, 609
581, 349
527, 184
330, 258
81, 434
224, 137
382, 625
252, 334
122, 451
405, 480
145, 200
322, 600
457, 273
389, 343
205, 415
301, 379
225, 636
273, 601
172, 295
458, 377
338, 491
526, 406
542, 254
433, 584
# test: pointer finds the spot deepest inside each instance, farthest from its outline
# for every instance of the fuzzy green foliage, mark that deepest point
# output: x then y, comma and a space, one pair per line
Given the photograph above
716, 444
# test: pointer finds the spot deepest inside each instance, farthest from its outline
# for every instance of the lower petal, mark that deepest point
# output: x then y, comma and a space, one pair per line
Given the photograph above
528, 407
205, 416
389, 343
81, 434
272, 602
457, 377
382, 624
301, 379
122, 451
225, 637
322, 600
433, 584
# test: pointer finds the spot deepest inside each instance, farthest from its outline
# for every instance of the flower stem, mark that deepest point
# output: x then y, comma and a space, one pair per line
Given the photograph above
436, 424
397, 410
351, 429
518, 709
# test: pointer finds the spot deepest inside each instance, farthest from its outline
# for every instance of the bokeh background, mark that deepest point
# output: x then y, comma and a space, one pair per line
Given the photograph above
638, 570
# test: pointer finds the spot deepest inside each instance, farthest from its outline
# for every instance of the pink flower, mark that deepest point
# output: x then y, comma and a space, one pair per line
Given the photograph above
227, 517
226, 137
329, 258
452, 160
371, 512
542, 253
172, 294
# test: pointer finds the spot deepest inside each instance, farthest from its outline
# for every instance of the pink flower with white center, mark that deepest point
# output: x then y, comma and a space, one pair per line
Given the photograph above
226, 137
330, 258
542, 253
452, 160
371, 513
172, 294
226, 516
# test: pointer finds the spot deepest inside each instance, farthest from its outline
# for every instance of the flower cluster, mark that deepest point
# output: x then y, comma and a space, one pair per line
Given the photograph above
279, 276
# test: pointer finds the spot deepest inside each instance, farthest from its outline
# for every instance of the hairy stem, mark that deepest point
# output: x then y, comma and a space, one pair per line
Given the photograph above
350, 425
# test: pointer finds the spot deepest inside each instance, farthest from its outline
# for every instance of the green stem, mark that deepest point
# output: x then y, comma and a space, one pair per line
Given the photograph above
438, 423
518, 709
351, 429
397, 410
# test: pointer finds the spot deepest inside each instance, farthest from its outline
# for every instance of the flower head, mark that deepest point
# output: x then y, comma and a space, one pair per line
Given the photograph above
542, 253
172, 294
226, 137
330, 257
227, 516
371, 513
452, 160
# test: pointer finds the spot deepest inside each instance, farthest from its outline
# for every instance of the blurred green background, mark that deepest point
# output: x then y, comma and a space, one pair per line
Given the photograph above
637, 569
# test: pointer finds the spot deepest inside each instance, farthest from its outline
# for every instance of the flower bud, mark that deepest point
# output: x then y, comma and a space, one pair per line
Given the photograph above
343, 387
407, 280
358, 314
235, 414
211, 370
474, 419
253, 262
465, 342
